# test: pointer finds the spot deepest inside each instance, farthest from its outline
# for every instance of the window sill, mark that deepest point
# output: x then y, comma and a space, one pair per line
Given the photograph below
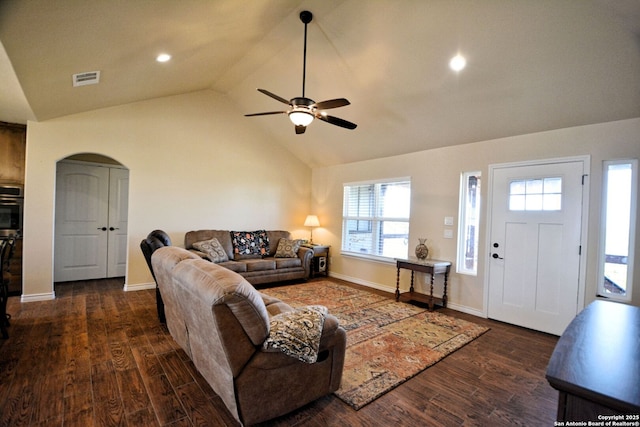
369, 257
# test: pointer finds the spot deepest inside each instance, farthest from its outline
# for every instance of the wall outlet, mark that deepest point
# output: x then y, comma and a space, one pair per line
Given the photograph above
448, 233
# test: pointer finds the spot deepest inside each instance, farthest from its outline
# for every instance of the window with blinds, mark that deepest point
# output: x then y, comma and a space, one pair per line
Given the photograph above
375, 219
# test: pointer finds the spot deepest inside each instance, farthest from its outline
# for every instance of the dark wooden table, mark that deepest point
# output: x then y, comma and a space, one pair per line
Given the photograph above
431, 266
596, 364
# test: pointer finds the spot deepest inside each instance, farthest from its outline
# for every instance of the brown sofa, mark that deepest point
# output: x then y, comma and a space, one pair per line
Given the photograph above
222, 323
257, 270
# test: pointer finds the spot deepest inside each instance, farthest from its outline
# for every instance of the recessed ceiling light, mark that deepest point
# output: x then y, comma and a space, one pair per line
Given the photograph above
163, 57
458, 63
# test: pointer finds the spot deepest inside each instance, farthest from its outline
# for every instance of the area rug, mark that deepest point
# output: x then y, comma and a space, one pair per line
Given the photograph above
388, 342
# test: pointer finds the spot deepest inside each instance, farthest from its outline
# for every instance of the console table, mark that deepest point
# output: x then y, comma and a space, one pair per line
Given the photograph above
431, 266
596, 364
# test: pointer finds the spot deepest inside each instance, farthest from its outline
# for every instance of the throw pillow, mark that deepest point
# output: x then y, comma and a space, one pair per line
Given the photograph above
250, 244
213, 249
287, 248
297, 333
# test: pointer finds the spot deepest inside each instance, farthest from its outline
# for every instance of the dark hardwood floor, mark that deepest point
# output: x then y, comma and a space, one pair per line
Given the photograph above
97, 356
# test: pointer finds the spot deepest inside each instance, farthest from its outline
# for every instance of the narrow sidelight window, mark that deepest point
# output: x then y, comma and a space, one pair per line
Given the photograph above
469, 220
619, 190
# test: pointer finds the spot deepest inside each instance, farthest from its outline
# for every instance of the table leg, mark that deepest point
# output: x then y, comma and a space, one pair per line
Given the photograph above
411, 288
431, 294
444, 295
398, 285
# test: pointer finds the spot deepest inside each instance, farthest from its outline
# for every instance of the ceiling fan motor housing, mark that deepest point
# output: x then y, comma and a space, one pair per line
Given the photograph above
301, 102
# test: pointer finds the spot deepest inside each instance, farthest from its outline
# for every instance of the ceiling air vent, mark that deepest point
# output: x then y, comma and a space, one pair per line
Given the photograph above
88, 78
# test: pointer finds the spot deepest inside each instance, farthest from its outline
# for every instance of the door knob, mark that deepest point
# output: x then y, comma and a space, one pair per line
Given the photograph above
112, 228
102, 228
496, 256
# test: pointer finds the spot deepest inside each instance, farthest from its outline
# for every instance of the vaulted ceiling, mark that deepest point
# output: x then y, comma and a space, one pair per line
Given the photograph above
533, 65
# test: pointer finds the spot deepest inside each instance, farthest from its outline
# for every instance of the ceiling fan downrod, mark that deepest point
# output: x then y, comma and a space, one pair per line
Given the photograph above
305, 17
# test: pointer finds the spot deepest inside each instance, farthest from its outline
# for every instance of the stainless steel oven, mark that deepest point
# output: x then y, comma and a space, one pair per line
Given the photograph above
11, 209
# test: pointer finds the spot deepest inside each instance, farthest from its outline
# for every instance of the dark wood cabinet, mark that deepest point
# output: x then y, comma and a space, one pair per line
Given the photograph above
596, 364
15, 268
13, 141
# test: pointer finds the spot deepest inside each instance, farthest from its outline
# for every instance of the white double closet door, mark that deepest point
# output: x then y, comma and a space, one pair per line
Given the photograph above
91, 221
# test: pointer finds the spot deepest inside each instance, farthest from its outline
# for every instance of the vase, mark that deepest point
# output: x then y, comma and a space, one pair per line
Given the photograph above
422, 251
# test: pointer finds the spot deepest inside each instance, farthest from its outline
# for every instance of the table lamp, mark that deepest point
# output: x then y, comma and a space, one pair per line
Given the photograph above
311, 221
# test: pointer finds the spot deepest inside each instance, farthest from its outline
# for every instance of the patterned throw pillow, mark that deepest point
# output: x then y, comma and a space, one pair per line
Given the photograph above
214, 250
287, 248
250, 244
297, 333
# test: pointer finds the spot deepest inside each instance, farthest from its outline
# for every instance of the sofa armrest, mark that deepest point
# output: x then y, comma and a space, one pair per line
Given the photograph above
306, 255
330, 332
274, 305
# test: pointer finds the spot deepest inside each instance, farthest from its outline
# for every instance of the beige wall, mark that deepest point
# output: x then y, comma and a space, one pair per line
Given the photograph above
435, 178
193, 161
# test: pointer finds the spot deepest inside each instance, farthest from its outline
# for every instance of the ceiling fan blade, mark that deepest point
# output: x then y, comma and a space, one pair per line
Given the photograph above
337, 121
332, 103
300, 129
264, 114
274, 96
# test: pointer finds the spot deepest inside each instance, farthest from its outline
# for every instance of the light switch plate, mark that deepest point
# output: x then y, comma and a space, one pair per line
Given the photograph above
448, 220
448, 233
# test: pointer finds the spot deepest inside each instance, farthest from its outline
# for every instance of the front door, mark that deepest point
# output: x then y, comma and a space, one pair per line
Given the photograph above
535, 244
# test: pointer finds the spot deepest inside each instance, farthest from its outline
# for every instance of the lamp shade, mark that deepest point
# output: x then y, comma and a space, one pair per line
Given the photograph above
312, 221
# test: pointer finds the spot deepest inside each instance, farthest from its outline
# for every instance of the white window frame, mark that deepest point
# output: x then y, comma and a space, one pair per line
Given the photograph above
632, 230
374, 219
466, 220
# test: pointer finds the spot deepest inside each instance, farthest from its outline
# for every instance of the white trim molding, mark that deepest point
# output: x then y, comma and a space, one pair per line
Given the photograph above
38, 297
139, 287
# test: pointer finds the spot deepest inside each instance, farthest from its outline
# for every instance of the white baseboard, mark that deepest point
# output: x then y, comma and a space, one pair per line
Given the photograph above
392, 289
139, 287
38, 297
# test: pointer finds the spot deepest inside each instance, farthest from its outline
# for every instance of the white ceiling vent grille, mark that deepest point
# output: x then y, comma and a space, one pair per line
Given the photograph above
87, 78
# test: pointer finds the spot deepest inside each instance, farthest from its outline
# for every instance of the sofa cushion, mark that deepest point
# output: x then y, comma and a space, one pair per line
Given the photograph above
212, 249
223, 236
274, 237
260, 264
288, 248
288, 262
238, 267
250, 244
297, 333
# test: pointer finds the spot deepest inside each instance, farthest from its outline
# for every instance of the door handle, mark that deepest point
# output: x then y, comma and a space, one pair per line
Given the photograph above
102, 228
112, 228
496, 256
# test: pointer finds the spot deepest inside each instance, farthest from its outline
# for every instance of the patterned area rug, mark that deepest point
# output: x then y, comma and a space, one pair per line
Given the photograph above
388, 342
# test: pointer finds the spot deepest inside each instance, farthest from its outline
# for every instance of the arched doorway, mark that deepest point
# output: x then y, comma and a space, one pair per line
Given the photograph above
91, 215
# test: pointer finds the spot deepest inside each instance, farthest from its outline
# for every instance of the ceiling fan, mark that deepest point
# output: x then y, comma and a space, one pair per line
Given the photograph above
302, 111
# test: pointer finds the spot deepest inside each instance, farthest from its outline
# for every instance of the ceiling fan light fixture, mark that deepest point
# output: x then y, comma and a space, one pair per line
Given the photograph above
301, 118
